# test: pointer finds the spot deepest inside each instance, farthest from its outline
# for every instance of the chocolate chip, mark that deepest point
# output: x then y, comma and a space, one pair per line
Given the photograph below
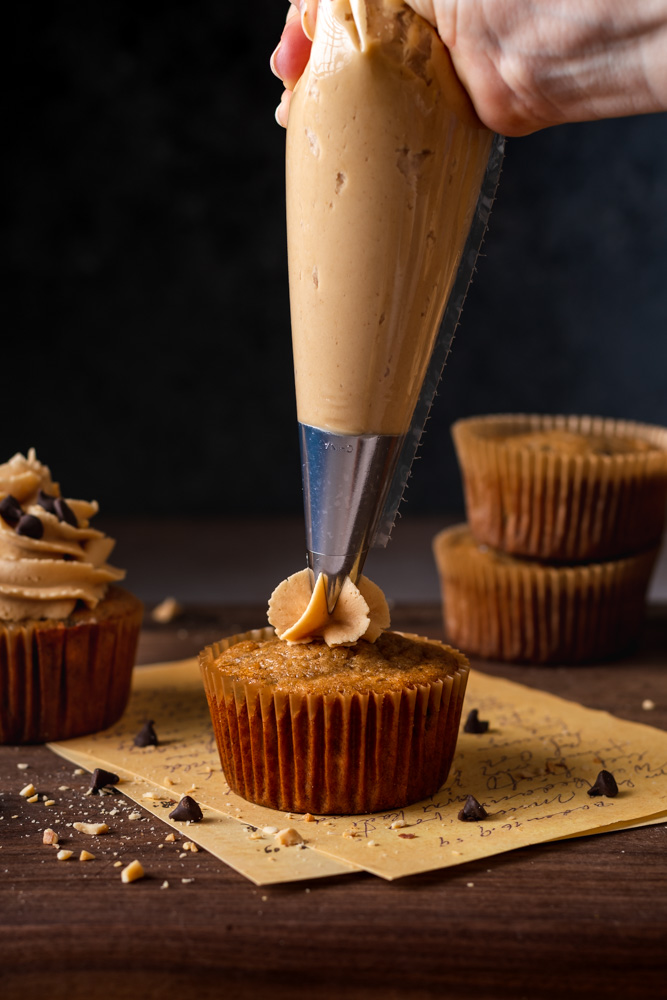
101, 778
472, 810
187, 809
146, 737
46, 501
474, 724
605, 784
30, 526
11, 510
65, 512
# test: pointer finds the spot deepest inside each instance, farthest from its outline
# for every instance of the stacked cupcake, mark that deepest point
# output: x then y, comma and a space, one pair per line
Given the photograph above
565, 517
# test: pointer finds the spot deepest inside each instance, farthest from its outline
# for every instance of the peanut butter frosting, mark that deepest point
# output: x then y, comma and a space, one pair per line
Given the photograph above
50, 557
299, 613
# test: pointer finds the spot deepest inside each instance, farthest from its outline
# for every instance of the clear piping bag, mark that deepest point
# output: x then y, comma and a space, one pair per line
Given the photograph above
390, 182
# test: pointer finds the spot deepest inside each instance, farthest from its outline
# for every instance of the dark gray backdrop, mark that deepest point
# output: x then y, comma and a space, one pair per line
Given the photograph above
146, 346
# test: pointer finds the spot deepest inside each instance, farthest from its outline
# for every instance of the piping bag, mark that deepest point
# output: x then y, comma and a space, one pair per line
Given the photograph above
390, 181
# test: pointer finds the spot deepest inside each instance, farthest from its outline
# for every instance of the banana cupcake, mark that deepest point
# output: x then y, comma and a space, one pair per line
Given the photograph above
68, 633
563, 489
503, 608
314, 724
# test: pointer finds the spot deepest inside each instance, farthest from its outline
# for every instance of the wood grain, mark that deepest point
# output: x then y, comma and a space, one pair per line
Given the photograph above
583, 918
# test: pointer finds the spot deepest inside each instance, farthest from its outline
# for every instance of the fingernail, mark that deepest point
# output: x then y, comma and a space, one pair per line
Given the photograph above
272, 60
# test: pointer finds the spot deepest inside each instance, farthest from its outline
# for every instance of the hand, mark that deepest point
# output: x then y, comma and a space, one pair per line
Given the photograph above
528, 64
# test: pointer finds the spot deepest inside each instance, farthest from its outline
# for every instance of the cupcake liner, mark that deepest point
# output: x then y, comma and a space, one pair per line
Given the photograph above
69, 678
332, 754
502, 608
562, 507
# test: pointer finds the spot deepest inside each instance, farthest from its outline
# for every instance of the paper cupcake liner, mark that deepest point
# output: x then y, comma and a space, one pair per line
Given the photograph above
557, 507
66, 679
332, 754
502, 608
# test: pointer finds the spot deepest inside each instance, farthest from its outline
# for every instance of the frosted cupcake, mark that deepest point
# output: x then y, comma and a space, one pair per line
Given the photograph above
316, 725
68, 634
563, 489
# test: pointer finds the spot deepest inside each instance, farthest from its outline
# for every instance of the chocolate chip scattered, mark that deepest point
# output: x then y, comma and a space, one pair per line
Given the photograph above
146, 737
46, 501
11, 510
65, 512
472, 810
101, 778
30, 526
474, 724
605, 784
187, 809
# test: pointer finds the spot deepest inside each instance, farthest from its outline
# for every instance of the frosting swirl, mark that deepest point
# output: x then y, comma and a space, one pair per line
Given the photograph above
46, 567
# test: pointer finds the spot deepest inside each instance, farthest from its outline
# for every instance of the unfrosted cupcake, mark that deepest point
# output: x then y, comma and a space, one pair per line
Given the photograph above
355, 728
503, 608
68, 634
563, 489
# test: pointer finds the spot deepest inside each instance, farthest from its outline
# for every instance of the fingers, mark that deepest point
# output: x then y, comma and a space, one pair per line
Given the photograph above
289, 59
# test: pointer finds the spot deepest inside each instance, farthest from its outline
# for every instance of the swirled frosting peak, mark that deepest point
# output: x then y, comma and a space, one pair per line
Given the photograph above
50, 557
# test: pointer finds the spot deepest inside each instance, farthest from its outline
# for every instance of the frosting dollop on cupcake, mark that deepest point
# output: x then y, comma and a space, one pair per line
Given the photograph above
50, 556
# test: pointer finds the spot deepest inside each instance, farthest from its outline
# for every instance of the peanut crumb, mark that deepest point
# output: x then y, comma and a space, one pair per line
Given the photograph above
92, 829
289, 837
167, 781
370, 843
134, 815
309, 818
33, 798
118, 864
648, 705
171, 837
456, 852
182, 855
186, 881
132, 872
29, 790
86, 856
63, 788
165, 885
50, 802
166, 611
398, 824
256, 835
78, 770
189, 846
49, 836
64, 855
269, 829
23, 767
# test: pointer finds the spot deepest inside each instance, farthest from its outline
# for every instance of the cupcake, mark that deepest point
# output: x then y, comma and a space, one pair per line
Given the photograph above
500, 607
68, 633
314, 725
563, 489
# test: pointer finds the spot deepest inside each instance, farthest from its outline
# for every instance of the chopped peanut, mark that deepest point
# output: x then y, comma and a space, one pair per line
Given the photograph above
289, 837
28, 791
92, 829
50, 836
64, 855
132, 872
86, 856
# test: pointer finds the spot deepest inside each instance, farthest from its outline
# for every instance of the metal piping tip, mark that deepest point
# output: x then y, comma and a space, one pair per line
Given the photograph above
346, 478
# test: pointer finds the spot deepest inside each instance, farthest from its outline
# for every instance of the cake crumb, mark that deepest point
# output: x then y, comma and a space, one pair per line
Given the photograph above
28, 791
132, 872
49, 836
91, 829
289, 837
166, 611
86, 856
648, 705
64, 855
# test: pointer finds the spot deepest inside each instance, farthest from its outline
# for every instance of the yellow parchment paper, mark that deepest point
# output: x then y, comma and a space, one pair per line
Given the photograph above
531, 771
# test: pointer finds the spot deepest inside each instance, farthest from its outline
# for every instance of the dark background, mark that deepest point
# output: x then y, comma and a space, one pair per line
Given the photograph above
146, 346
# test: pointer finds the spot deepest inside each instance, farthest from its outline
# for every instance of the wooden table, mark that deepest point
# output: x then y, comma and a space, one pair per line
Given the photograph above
579, 918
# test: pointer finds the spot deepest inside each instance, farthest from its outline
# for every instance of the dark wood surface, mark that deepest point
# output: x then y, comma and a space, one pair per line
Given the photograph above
580, 918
